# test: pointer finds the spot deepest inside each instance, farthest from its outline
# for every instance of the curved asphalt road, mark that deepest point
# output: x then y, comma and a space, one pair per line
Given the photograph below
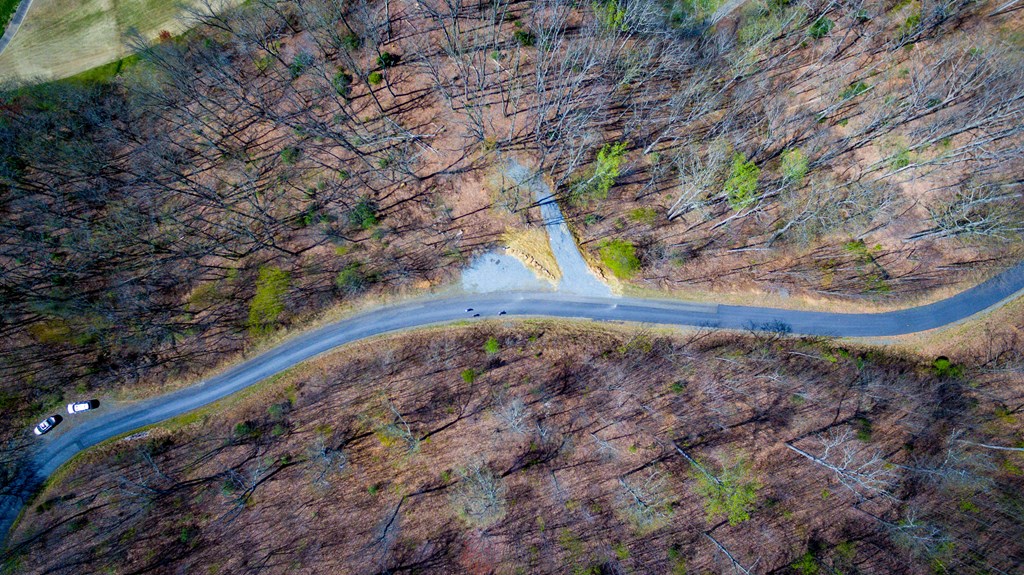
58, 449
15, 23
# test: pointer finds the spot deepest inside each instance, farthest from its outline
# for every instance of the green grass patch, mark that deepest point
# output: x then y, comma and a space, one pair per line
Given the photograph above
268, 303
646, 215
619, 256
105, 73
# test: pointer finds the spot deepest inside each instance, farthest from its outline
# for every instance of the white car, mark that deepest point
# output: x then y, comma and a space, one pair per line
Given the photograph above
47, 424
80, 406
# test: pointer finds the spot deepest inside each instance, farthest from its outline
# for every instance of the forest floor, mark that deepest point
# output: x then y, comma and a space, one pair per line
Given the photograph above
558, 447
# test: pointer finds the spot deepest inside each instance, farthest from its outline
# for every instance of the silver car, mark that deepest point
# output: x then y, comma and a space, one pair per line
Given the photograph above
48, 424
80, 406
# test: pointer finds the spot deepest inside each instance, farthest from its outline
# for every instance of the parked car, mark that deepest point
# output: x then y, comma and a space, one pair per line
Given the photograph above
48, 424
80, 406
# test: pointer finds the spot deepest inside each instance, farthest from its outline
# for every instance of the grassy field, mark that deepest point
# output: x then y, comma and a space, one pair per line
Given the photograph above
61, 38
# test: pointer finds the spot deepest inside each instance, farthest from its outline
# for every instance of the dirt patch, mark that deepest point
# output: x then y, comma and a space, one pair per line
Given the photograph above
532, 247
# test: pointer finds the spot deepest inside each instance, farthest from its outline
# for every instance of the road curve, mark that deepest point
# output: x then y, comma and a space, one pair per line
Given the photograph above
57, 450
15, 23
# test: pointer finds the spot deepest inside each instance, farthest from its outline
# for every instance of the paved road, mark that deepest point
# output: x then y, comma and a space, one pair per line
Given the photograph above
12, 28
577, 277
56, 450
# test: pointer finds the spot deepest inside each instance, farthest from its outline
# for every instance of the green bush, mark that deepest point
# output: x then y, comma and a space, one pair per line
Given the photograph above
610, 14
387, 60
742, 182
900, 158
351, 42
794, 165
364, 214
290, 155
863, 429
619, 256
946, 369
299, 64
350, 279
909, 26
701, 9
244, 429
820, 28
729, 492
806, 565
342, 83
276, 410
524, 38
676, 561
853, 90
469, 375
491, 346
268, 303
375, 78
602, 177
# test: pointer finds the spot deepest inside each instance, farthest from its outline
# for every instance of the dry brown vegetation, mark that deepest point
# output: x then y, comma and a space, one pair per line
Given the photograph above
285, 157
876, 132
566, 449
333, 148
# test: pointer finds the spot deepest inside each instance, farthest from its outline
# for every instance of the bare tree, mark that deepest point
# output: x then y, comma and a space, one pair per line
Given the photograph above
646, 502
512, 411
861, 470
479, 496
324, 462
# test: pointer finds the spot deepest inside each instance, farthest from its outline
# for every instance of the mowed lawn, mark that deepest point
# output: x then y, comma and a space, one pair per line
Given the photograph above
60, 38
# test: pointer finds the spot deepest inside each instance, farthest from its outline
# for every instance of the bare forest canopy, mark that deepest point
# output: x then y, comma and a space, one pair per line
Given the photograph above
284, 157
553, 448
